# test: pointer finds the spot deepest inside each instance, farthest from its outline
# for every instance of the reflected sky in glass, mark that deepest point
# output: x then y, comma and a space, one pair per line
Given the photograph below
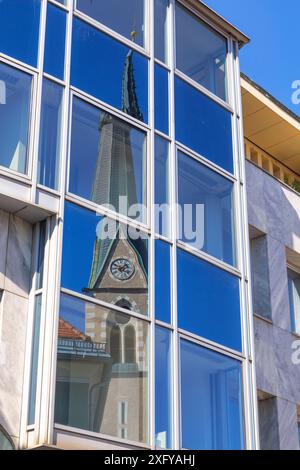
19, 29
104, 259
203, 125
161, 99
128, 21
49, 148
211, 400
108, 70
163, 389
198, 185
162, 197
54, 59
208, 301
162, 281
161, 29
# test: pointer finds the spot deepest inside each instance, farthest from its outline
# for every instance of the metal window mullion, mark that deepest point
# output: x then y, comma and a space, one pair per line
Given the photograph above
176, 435
38, 101
250, 394
151, 220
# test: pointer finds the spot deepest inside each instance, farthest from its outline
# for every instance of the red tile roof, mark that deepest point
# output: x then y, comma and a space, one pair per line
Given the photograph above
66, 330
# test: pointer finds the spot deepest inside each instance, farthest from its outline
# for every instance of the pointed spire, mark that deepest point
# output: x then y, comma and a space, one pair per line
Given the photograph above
130, 103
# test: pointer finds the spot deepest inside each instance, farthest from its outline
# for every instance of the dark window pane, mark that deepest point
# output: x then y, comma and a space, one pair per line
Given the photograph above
125, 17
161, 99
49, 148
161, 29
93, 378
162, 198
54, 60
163, 389
162, 281
200, 52
211, 400
19, 29
203, 125
41, 254
205, 200
15, 94
119, 76
294, 297
34, 358
105, 259
208, 301
108, 160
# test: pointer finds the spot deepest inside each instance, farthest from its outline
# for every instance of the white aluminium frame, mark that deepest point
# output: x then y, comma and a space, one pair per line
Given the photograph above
45, 429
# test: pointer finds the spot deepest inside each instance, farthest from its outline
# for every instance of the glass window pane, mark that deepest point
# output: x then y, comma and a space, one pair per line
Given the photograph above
108, 161
163, 389
161, 99
105, 259
203, 125
294, 297
129, 21
208, 301
19, 29
205, 201
162, 198
102, 370
54, 60
161, 29
162, 281
211, 400
200, 52
122, 82
15, 94
50, 131
34, 358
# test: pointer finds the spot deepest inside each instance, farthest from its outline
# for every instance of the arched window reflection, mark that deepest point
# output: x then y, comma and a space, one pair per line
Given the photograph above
130, 344
115, 344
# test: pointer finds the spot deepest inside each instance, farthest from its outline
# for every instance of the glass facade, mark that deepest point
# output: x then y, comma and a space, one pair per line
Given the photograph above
131, 136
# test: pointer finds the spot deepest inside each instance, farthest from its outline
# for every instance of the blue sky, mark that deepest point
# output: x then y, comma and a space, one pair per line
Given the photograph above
272, 59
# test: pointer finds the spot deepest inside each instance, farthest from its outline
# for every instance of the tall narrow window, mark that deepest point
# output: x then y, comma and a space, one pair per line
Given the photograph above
50, 132
15, 105
294, 296
54, 60
161, 29
34, 358
115, 344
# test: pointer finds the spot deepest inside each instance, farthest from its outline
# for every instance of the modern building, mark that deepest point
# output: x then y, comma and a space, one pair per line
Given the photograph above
126, 317
272, 149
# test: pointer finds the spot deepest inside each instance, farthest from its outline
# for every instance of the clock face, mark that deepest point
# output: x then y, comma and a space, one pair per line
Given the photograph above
122, 269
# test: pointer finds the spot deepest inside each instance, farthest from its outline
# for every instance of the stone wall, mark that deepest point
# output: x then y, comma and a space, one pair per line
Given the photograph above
274, 210
15, 261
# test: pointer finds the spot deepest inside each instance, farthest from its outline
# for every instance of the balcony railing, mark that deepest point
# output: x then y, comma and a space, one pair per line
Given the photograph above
272, 166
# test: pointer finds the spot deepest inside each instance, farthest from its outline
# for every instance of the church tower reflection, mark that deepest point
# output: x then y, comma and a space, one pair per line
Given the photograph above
109, 357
